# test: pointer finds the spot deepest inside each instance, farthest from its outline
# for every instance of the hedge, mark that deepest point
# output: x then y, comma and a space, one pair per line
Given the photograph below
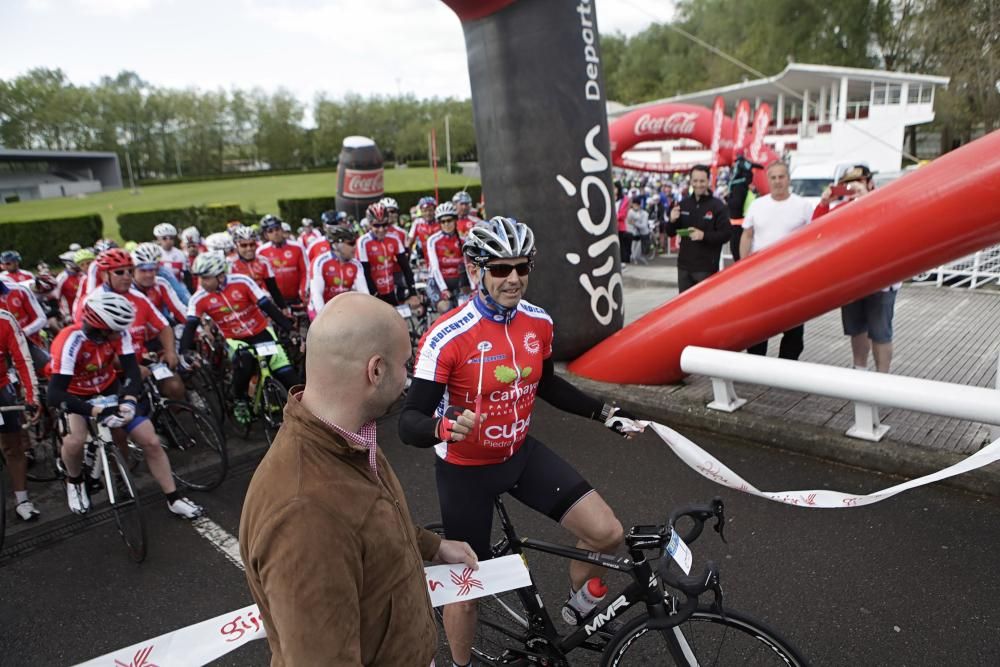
45, 239
293, 210
212, 218
144, 182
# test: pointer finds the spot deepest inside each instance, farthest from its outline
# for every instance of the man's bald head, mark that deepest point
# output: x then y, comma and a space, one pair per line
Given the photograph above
350, 330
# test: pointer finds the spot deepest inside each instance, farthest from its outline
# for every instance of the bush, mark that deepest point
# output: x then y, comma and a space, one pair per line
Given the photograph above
229, 175
39, 240
416, 164
211, 218
293, 210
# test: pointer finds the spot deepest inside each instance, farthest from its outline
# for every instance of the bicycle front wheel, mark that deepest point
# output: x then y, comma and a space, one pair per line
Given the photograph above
43, 456
3, 501
196, 449
124, 499
272, 406
706, 639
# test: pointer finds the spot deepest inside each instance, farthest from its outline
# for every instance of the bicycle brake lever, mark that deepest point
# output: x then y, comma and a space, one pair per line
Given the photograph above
719, 510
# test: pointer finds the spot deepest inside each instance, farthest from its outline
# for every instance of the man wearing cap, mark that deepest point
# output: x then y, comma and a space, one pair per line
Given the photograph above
868, 321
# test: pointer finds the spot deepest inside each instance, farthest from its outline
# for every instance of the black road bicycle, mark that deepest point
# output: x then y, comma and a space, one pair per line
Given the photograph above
671, 628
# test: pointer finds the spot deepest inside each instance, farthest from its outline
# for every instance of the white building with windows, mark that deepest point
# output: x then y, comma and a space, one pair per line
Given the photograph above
823, 115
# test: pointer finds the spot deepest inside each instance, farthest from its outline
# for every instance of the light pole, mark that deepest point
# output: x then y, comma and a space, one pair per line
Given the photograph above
447, 139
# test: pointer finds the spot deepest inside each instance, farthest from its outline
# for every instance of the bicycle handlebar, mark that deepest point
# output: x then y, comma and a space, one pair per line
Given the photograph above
700, 513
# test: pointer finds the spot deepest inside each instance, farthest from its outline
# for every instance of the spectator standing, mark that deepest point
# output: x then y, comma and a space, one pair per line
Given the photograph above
868, 321
637, 224
332, 556
739, 190
770, 220
706, 221
624, 237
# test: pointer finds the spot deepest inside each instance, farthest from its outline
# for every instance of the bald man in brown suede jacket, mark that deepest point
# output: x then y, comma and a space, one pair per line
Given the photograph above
332, 556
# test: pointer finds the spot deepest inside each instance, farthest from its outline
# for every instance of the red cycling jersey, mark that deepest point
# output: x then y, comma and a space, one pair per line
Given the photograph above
67, 286
258, 268
289, 263
19, 276
382, 258
465, 224
176, 260
309, 237
444, 258
331, 276
89, 364
233, 308
473, 341
315, 249
398, 233
22, 304
149, 322
13, 344
421, 230
165, 299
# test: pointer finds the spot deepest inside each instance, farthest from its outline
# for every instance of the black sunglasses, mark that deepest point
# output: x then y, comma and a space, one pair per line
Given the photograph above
381, 224
504, 270
122, 272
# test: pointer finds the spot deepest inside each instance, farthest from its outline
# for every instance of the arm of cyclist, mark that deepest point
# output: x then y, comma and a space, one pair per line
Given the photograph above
276, 315
187, 337
61, 398
404, 264
13, 341
419, 427
272, 288
166, 337
560, 393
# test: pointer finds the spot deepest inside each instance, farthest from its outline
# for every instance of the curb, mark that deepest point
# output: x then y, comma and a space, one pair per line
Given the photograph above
888, 456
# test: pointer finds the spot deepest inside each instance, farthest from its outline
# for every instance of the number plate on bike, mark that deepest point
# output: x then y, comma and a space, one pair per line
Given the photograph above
404, 310
266, 349
161, 371
680, 552
103, 401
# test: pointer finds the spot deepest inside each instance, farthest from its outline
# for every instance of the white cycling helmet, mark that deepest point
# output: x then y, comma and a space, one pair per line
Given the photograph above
499, 238
244, 234
285, 227
219, 242
389, 203
209, 264
164, 230
104, 309
308, 222
147, 253
462, 197
445, 210
191, 235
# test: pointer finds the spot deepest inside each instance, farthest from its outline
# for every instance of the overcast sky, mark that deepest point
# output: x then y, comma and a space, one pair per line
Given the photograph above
307, 46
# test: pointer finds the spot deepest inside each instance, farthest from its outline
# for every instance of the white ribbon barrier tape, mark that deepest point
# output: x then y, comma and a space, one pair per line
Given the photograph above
710, 467
201, 643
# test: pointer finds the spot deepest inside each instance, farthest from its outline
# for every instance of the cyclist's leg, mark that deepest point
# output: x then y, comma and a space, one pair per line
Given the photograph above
14, 444
71, 451
143, 434
244, 367
280, 365
553, 487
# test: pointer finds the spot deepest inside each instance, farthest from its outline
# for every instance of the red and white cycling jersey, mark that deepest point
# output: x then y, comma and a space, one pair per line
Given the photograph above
165, 299
444, 258
465, 224
259, 269
91, 365
13, 344
310, 237
289, 263
22, 304
233, 308
421, 230
398, 233
149, 321
176, 260
67, 287
331, 276
315, 249
19, 276
383, 260
509, 353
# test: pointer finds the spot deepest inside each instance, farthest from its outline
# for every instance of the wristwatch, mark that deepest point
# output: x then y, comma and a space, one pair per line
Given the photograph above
607, 410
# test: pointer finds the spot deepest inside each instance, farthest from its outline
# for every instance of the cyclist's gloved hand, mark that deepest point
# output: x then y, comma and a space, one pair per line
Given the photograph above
109, 417
126, 410
624, 423
188, 360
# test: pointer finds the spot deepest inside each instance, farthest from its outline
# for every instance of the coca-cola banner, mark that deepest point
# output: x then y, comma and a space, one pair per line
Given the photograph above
363, 183
359, 176
541, 131
761, 121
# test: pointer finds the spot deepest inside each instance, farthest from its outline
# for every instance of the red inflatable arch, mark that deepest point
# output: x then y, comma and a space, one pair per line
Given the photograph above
675, 121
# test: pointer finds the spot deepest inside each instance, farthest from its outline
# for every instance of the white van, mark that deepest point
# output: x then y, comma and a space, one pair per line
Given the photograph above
809, 180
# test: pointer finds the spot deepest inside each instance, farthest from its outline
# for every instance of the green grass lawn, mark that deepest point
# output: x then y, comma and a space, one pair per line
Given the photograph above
252, 194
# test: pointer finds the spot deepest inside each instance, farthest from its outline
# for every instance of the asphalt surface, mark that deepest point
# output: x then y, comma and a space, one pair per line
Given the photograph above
908, 581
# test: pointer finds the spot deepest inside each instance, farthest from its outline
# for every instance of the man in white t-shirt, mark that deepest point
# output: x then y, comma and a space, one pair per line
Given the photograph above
770, 220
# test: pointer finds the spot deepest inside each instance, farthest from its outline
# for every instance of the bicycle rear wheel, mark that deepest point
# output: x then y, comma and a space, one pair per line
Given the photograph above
43, 456
124, 499
194, 445
205, 393
706, 639
3, 501
272, 406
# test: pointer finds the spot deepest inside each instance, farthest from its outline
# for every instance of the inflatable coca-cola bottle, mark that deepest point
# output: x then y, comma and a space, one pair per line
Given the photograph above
359, 176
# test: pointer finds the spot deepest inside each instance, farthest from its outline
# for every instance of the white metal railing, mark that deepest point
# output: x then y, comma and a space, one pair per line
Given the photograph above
974, 270
866, 389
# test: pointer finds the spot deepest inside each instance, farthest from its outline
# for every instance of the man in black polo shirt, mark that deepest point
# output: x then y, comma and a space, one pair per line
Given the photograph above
702, 222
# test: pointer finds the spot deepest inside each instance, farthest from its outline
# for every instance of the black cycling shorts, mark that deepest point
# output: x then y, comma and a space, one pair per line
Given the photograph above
11, 420
535, 475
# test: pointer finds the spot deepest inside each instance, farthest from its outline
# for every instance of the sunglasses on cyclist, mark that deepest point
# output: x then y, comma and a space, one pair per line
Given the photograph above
121, 272
380, 224
352, 242
504, 270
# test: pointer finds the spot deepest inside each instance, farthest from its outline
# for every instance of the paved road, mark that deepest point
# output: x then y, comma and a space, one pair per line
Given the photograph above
909, 581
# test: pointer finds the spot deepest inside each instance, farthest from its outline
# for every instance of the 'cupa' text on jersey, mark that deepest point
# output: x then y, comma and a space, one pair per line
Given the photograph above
473, 342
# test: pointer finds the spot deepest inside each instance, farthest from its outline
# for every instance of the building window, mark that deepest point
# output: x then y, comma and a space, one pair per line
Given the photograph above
878, 93
893, 93
925, 94
914, 95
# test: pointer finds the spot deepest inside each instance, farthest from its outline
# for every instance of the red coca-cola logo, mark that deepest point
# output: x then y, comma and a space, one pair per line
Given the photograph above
363, 184
677, 123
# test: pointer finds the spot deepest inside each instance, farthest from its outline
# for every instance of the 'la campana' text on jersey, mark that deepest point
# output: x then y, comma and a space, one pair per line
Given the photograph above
473, 341
234, 307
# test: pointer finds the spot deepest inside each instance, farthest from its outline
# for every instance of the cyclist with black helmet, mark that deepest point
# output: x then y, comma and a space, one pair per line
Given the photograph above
381, 256
287, 258
336, 270
10, 267
477, 372
448, 277
85, 385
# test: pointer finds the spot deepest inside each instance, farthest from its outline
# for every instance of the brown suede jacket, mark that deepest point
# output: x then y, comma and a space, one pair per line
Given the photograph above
331, 554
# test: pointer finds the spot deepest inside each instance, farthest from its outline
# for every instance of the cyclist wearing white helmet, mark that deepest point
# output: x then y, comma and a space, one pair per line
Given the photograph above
85, 385
156, 288
477, 373
241, 310
221, 243
173, 257
247, 263
463, 204
391, 207
448, 277
309, 234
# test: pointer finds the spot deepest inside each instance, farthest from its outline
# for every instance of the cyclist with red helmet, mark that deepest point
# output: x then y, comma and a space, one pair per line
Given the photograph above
85, 385
14, 346
336, 270
381, 256
287, 258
